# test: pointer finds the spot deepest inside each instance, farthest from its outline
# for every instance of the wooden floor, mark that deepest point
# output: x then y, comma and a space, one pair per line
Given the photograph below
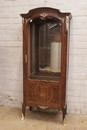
10, 119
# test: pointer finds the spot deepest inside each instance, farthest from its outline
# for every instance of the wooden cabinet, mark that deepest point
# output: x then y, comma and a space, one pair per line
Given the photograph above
45, 58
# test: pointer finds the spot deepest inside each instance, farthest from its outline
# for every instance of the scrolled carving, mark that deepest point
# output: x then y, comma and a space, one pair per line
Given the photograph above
43, 15
43, 107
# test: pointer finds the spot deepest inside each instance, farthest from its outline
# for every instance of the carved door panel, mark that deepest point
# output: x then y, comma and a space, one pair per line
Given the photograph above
43, 93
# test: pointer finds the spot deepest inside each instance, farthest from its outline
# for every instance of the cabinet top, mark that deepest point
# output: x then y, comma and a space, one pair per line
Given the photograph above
44, 11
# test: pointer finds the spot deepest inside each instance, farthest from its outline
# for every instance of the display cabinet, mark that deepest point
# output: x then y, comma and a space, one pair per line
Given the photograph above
45, 59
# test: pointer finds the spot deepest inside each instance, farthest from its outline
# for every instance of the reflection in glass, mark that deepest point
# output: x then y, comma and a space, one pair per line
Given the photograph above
46, 47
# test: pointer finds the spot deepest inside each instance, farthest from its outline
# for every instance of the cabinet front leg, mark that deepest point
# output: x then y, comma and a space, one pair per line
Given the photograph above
22, 118
64, 113
23, 111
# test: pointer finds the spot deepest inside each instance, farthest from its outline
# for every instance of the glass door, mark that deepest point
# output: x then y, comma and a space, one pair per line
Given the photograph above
46, 48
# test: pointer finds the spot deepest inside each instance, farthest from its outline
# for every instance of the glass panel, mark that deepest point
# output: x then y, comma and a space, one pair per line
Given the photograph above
46, 48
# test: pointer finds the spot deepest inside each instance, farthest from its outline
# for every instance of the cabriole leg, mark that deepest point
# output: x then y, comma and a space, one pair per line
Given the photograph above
64, 113
23, 111
22, 118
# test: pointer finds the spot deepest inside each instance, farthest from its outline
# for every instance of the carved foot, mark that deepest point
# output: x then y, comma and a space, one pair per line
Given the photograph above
22, 118
64, 123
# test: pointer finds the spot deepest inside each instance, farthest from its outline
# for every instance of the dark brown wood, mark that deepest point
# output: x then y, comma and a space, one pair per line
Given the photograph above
30, 108
40, 91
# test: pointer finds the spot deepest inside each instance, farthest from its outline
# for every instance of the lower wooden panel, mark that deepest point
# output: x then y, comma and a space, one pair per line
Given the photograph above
43, 93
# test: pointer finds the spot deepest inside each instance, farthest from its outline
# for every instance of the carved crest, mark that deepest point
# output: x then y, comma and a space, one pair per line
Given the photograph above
43, 15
